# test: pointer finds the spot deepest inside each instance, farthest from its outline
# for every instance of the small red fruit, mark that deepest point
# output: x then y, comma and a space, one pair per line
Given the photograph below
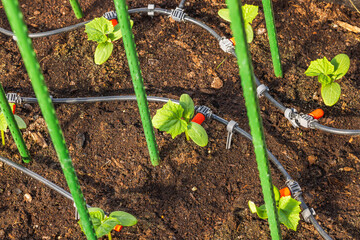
118, 228
199, 118
317, 113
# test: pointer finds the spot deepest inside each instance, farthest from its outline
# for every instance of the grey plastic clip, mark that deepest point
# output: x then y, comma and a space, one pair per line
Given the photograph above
204, 110
151, 7
294, 187
13, 98
306, 213
77, 216
230, 129
178, 14
261, 89
110, 15
290, 114
305, 120
226, 45
15, 38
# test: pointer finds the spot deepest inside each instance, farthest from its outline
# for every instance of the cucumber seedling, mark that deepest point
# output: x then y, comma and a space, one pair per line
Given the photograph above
103, 32
3, 124
176, 118
249, 14
327, 73
288, 208
103, 225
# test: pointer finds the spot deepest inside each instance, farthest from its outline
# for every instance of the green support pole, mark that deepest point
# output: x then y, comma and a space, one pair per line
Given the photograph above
14, 128
76, 8
253, 113
130, 49
37, 79
270, 26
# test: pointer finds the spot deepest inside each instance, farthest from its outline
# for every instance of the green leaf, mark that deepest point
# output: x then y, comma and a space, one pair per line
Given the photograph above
320, 66
289, 212
188, 105
3, 123
106, 226
224, 14
95, 221
103, 52
324, 79
116, 34
276, 194
198, 134
260, 211
341, 63
168, 119
98, 28
97, 213
20, 122
331, 93
125, 219
249, 12
249, 33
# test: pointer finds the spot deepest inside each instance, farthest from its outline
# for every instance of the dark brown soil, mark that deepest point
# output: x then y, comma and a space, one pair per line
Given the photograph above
107, 144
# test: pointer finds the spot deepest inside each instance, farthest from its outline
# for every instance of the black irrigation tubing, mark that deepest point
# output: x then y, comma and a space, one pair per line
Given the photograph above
266, 94
237, 129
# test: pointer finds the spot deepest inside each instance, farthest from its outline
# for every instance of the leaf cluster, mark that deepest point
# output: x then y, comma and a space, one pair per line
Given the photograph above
327, 73
104, 224
102, 31
175, 119
249, 14
288, 210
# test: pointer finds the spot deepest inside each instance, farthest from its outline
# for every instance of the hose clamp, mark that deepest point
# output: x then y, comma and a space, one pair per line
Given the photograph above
151, 8
261, 89
110, 15
178, 14
204, 110
294, 187
230, 128
13, 98
226, 45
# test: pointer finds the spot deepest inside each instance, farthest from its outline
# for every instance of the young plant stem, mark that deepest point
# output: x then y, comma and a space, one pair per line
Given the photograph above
109, 236
187, 135
3, 137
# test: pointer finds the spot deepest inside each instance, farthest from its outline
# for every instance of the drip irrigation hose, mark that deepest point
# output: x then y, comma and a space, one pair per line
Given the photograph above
182, 4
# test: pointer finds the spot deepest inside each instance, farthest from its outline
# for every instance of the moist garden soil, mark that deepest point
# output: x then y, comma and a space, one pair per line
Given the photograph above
196, 193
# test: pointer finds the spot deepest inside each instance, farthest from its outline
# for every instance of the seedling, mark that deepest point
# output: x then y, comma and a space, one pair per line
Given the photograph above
103, 32
175, 119
249, 14
288, 208
3, 124
327, 73
103, 225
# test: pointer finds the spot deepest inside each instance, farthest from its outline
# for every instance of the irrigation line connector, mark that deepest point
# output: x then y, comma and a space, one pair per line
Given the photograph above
110, 15
294, 187
261, 89
226, 45
204, 110
299, 119
230, 128
178, 14
13, 98
151, 8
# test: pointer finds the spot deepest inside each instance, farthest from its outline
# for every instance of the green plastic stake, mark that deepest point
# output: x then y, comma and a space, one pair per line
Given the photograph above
37, 79
253, 113
134, 66
270, 26
14, 128
76, 8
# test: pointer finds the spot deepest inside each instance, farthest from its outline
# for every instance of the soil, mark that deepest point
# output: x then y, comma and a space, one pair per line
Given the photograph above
196, 193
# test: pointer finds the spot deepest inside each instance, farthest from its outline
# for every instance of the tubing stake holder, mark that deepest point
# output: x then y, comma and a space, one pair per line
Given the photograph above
204, 110
13, 98
110, 15
151, 7
178, 14
77, 216
226, 45
261, 89
306, 213
230, 128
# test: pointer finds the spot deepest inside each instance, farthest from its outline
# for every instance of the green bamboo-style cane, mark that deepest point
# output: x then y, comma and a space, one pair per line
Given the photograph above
274, 47
253, 113
134, 66
76, 8
13, 126
37, 79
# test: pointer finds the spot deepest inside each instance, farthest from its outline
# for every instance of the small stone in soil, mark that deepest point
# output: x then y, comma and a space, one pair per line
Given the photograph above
27, 198
217, 83
80, 140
